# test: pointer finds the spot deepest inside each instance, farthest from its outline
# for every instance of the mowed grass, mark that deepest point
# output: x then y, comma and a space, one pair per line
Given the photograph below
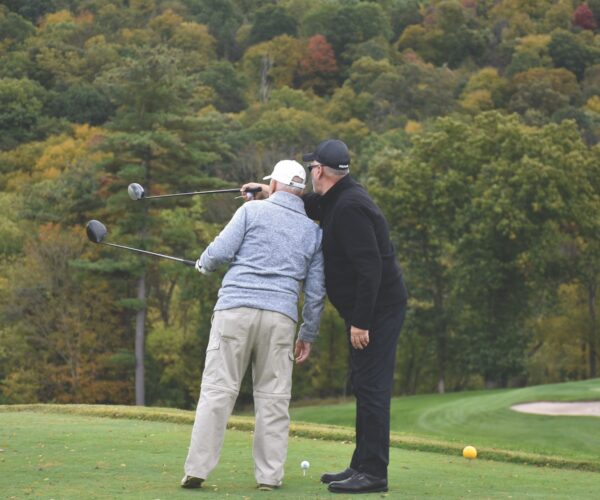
53, 455
484, 419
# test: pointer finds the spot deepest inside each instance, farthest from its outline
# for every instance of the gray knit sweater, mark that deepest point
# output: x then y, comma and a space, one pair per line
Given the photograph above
272, 248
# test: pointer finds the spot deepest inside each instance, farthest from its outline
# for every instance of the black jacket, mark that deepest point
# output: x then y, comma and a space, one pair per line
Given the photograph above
362, 276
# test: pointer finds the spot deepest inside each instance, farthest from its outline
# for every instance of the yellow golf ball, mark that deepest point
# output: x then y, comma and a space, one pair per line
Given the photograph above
469, 452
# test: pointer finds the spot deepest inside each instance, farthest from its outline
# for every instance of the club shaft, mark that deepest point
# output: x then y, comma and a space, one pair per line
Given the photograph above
154, 254
213, 191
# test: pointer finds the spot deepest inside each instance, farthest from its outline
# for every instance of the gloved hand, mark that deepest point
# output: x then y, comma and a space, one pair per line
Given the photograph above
199, 268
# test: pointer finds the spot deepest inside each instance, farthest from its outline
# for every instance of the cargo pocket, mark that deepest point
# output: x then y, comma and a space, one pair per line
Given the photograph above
286, 383
212, 360
214, 341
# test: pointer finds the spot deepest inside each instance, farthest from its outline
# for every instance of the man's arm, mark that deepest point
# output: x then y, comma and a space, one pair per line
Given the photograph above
314, 301
312, 205
357, 236
225, 246
312, 201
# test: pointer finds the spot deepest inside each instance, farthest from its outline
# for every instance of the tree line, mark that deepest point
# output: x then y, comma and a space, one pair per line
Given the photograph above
474, 124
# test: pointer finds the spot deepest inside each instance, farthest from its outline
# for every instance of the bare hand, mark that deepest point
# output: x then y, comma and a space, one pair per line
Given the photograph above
261, 195
359, 338
302, 351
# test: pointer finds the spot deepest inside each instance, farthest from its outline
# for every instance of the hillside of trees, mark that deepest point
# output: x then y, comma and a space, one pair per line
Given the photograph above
474, 124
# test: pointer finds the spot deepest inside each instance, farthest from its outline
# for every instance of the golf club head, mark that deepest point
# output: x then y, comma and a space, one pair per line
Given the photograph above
136, 191
96, 231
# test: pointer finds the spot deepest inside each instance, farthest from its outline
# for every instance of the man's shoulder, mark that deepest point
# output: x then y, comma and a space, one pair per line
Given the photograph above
253, 206
355, 196
288, 207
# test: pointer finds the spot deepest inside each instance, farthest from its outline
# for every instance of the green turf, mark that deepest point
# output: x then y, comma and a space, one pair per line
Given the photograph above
47, 455
484, 419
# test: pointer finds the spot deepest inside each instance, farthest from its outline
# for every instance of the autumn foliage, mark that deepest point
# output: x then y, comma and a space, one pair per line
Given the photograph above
474, 123
318, 67
584, 17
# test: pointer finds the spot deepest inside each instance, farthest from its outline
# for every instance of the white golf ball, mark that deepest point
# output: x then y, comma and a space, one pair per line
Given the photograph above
304, 464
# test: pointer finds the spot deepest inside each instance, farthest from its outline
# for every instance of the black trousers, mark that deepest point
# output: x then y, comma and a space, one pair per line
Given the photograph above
372, 377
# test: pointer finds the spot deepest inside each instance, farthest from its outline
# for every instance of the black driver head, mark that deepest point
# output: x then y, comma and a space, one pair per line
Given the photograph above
96, 231
135, 191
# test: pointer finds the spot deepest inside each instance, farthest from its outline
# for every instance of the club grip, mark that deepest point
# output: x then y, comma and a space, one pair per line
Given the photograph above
253, 190
189, 262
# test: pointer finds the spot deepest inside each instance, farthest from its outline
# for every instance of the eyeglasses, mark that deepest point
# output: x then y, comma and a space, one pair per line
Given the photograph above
310, 167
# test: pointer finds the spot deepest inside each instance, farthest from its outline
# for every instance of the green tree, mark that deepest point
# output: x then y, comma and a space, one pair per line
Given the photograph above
572, 52
21, 106
32, 9
583, 252
350, 23
457, 40
64, 327
414, 89
345, 104
80, 103
271, 21
11, 234
222, 19
531, 52
278, 133
365, 71
485, 90
198, 43
155, 142
511, 236
449, 38
98, 56
403, 13
480, 233
57, 49
544, 90
558, 16
228, 86
271, 64
594, 6
14, 29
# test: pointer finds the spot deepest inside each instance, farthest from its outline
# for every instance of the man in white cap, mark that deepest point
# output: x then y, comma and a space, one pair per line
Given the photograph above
272, 248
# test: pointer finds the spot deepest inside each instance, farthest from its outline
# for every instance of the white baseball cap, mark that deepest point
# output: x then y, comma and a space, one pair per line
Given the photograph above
285, 171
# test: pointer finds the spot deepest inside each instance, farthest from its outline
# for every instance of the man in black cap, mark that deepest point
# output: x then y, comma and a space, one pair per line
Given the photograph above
365, 284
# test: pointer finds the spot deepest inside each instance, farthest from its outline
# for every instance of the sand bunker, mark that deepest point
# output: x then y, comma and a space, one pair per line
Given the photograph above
579, 409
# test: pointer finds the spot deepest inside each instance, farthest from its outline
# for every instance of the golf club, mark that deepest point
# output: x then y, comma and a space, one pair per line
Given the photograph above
137, 192
96, 231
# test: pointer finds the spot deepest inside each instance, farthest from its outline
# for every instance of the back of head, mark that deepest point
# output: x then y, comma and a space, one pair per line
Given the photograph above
289, 175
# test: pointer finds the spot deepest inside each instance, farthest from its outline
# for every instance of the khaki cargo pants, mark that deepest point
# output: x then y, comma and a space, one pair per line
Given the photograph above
237, 337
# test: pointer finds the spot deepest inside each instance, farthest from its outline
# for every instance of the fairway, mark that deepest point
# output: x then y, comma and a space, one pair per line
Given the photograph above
50, 455
484, 419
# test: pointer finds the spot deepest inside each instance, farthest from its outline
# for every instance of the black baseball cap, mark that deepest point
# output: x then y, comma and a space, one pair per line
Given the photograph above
332, 153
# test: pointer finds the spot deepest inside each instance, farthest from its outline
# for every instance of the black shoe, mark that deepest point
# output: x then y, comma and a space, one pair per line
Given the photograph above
191, 482
360, 482
329, 477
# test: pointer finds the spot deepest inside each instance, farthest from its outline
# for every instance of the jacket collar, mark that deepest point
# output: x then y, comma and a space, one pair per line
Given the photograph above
334, 192
287, 200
